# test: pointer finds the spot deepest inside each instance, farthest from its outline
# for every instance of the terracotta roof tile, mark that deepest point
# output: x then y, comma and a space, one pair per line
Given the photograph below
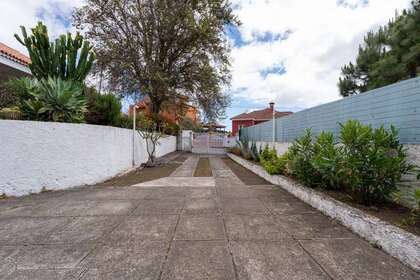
265, 114
14, 54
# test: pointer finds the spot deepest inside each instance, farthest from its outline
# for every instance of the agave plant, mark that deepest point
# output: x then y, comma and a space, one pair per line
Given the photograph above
63, 100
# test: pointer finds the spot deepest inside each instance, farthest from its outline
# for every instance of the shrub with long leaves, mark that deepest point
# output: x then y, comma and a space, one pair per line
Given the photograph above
327, 161
301, 155
373, 161
53, 100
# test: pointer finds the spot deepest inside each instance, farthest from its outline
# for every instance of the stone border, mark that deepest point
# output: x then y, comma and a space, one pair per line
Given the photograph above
397, 242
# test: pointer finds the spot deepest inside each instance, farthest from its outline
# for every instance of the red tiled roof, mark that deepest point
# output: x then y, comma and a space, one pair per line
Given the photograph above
265, 114
14, 54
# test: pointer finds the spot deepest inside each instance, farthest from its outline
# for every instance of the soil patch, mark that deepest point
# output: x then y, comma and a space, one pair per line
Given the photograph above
246, 176
390, 212
203, 168
142, 175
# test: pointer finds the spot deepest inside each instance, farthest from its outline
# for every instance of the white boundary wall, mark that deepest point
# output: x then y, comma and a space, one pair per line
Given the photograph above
37, 155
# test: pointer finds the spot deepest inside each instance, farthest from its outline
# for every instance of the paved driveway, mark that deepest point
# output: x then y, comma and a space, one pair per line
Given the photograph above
182, 227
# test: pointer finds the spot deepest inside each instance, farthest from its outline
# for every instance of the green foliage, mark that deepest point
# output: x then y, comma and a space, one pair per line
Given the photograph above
327, 161
368, 163
66, 58
271, 162
163, 48
386, 56
8, 98
51, 100
102, 109
302, 153
12, 113
373, 161
189, 124
172, 129
125, 121
254, 152
243, 144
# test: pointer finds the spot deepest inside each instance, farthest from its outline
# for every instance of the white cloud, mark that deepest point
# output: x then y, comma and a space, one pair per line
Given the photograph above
325, 35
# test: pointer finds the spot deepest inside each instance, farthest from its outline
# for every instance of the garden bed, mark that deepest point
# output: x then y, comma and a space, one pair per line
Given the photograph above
397, 242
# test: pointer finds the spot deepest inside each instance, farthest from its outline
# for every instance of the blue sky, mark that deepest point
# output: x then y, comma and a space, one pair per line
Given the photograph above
286, 51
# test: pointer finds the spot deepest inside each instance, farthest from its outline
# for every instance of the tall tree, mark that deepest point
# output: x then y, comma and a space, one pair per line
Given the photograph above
386, 56
163, 48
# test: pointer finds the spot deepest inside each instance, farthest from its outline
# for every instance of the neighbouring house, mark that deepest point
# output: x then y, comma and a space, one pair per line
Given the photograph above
13, 63
214, 127
170, 113
255, 117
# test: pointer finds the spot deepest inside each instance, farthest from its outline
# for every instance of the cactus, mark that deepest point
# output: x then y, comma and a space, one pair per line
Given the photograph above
65, 58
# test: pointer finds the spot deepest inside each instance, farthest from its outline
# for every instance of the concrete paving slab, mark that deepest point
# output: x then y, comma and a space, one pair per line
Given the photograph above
131, 232
187, 168
147, 227
280, 260
17, 208
273, 192
26, 230
243, 206
196, 260
109, 207
197, 182
192, 193
233, 182
160, 206
200, 227
120, 193
307, 226
230, 192
164, 192
254, 227
139, 260
356, 259
81, 229
7, 265
46, 274
50, 256
201, 205
286, 207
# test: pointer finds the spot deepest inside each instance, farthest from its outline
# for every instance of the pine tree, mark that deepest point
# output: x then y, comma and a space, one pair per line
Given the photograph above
386, 56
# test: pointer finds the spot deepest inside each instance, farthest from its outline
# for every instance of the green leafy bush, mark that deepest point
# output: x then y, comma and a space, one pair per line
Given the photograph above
102, 109
125, 121
301, 155
373, 161
12, 113
171, 129
271, 162
327, 161
51, 100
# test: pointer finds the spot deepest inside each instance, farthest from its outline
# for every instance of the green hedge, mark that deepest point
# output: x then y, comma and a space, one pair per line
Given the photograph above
367, 163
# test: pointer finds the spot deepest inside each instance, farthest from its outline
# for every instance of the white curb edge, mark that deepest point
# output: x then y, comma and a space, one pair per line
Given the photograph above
395, 241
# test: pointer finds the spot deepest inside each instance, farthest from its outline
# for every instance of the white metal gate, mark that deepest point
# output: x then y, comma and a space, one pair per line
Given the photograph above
208, 143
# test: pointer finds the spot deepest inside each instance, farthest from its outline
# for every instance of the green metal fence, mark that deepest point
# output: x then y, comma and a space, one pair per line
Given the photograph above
397, 104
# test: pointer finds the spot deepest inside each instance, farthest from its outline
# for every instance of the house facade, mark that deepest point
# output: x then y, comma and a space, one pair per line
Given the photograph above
13, 63
255, 117
170, 113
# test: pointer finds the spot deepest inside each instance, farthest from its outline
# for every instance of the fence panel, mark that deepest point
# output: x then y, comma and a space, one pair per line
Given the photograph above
397, 104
